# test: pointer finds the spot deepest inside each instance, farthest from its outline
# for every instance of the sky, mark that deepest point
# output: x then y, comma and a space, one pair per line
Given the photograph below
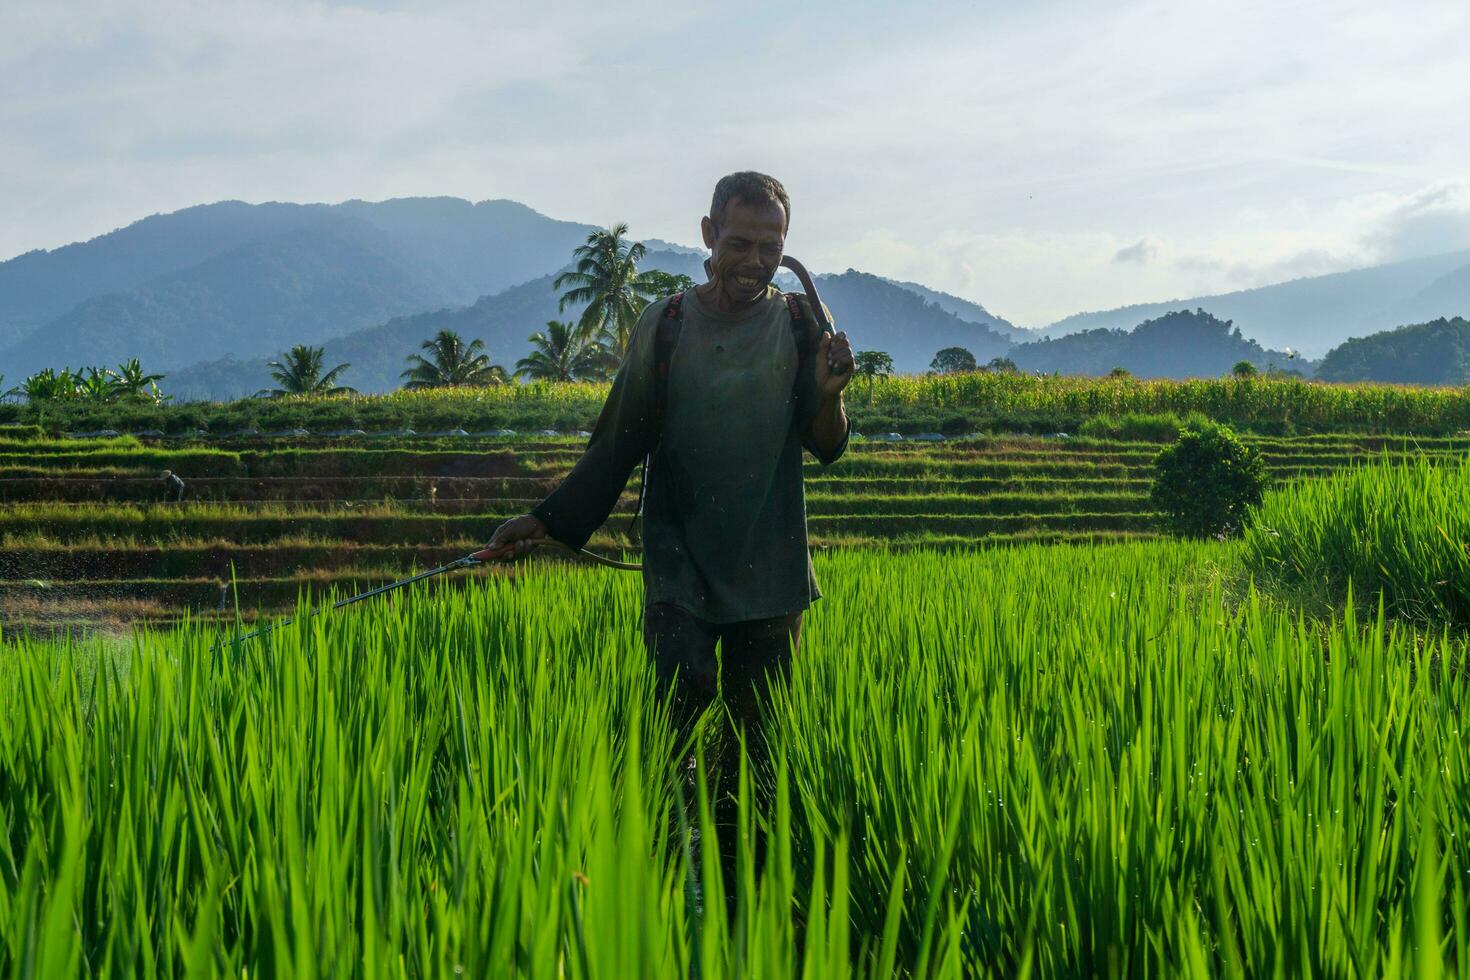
1039, 158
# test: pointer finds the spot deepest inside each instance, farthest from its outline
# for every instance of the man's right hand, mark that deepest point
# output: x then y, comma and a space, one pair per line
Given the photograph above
516, 537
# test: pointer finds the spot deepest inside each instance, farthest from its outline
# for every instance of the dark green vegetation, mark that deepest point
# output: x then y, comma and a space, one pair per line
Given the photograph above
86, 536
1123, 775
1180, 344
1435, 353
1206, 482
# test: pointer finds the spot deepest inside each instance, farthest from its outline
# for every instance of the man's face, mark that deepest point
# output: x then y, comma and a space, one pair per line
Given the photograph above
746, 245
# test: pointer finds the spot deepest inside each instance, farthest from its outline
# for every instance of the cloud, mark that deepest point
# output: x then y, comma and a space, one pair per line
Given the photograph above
1435, 219
1140, 252
1039, 158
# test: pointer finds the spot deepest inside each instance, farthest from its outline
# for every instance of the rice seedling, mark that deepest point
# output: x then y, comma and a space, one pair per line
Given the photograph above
1043, 761
1397, 529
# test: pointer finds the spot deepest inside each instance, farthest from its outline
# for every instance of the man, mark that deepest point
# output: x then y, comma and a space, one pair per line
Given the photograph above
725, 555
173, 486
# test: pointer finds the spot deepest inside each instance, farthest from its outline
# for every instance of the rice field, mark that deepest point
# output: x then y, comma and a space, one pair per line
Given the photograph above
1104, 760
87, 540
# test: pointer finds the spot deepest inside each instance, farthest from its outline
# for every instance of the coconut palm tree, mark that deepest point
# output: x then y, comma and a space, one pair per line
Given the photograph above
608, 281
567, 352
452, 362
299, 372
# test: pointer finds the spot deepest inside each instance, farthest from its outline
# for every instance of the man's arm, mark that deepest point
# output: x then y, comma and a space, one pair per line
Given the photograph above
829, 429
821, 416
625, 433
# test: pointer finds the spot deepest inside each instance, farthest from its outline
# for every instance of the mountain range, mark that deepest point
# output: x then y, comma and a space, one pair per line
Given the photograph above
210, 293
1314, 315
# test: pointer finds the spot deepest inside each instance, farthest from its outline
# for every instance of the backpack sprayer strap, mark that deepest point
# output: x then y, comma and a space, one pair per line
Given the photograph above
664, 342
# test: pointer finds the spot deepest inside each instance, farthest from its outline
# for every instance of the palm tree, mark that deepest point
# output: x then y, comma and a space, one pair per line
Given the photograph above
299, 372
452, 362
567, 352
608, 281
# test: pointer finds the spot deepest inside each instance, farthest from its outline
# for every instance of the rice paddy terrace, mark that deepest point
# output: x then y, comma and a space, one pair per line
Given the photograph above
86, 536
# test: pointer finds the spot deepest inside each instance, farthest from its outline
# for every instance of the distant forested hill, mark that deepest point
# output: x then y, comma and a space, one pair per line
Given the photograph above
1181, 344
1434, 353
1315, 314
876, 314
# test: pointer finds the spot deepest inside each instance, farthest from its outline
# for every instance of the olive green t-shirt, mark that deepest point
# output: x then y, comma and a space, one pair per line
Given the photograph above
724, 527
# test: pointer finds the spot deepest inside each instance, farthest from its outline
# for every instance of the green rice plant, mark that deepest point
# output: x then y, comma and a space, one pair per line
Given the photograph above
1399, 529
1036, 761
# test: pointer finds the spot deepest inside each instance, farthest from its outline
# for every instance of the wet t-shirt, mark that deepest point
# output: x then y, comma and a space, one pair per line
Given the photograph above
724, 527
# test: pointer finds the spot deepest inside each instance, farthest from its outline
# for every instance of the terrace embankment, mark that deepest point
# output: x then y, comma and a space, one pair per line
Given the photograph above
87, 534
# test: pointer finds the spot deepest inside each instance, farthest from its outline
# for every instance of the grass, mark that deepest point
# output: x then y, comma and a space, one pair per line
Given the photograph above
1050, 761
1399, 529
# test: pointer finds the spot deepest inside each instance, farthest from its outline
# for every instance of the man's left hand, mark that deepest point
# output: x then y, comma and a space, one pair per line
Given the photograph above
834, 364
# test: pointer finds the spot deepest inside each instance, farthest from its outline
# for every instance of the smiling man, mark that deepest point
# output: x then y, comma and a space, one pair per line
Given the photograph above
748, 380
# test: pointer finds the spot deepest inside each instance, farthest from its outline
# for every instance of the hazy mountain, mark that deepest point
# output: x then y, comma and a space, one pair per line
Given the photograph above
876, 314
1448, 296
1435, 353
175, 278
967, 310
1314, 315
303, 286
1181, 344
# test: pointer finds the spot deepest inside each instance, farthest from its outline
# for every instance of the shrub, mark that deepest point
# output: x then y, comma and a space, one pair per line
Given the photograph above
1206, 483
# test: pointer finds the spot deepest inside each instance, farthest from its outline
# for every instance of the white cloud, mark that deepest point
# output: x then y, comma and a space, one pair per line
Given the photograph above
1436, 219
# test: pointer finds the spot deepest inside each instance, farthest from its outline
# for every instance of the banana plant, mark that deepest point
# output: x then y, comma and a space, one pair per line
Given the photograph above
131, 383
50, 385
97, 385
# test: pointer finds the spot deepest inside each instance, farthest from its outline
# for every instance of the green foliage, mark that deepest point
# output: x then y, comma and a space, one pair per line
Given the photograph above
607, 279
567, 352
667, 283
1206, 482
1244, 369
1396, 529
1141, 426
481, 780
1436, 353
452, 362
873, 364
1002, 365
95, 385
988, 401
952, 360
299, 372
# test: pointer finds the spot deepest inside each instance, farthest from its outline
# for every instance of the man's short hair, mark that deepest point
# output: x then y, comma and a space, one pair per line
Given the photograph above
752, 188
